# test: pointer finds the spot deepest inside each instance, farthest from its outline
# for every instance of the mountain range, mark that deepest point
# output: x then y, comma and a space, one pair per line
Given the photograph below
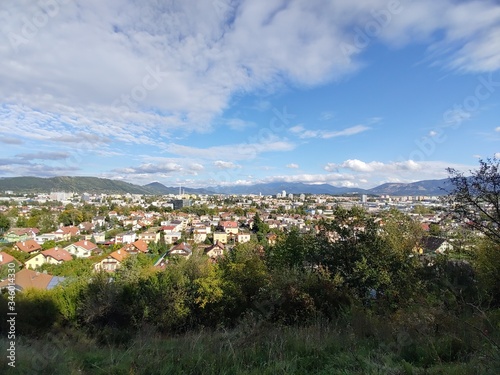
103, 185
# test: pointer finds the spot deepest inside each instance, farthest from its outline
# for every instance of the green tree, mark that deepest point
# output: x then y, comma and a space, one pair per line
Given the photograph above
402, 233
476, 198
260, 228
4, 224
290, 251
21, 222
434, 229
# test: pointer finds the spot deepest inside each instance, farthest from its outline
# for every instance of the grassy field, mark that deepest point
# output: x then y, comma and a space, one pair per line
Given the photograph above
359, 347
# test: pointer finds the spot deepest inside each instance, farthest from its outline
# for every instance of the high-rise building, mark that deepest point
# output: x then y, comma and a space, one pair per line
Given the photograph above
180, 203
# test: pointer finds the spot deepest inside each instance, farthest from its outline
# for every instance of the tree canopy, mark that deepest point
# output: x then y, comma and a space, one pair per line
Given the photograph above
476, 198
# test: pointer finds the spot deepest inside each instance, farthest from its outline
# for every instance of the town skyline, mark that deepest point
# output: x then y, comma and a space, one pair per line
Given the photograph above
226, 93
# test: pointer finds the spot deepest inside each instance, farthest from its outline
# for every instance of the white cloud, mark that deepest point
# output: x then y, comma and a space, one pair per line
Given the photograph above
242, 151
326, 116
226, 164
375, 172
292, 166
238, 124
374, 166
325, 134
43, 155
497, 129
196, 167
433, 133
336, 179
177, 68
497, 155
150, 168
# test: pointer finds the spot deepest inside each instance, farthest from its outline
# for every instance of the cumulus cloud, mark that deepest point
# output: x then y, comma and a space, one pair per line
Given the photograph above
373, 166
369, 173
178, 67
153, 73
226, 165
150, 168
292, 166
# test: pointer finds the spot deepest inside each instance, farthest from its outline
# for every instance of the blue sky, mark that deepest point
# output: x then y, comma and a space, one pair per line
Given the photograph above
219, 92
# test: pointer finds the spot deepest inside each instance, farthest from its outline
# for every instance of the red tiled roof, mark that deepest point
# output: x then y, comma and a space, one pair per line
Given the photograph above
119, 255
6, 258
58, 254
87, 245
141, 246
27, 278
28, 246
229, 224
169, 227
70, 230
21, 231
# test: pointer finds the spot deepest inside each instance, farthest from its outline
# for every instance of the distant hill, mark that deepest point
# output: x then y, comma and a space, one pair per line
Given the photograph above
69, 184
426, 187
290, 188
104, 185
158, 188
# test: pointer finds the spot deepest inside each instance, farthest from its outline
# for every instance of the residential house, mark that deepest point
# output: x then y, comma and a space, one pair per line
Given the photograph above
127, 237
20, 234
221, 237
27, 279
96, 237
6, 259
42, 238
199, 235
56, 255
215, 251
243, 237
83, 249
151, 235
28, 246
230, 227
35, 261
436, 245
172, 237
66, 233
86, 227
136, 247
182, 249
112, 262
99, 221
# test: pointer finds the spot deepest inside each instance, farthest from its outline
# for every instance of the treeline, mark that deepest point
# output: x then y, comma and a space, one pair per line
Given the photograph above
354, 261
